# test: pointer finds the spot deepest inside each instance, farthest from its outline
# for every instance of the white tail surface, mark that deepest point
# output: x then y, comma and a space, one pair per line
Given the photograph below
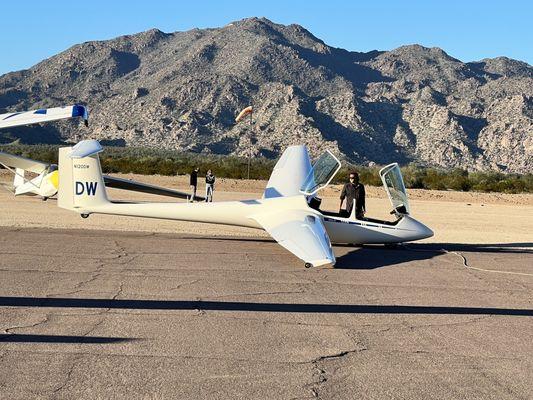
81, 185
19, 178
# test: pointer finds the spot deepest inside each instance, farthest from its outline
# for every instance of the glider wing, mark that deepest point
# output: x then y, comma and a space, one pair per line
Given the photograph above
301, 232
43, 115
10, 160
126, 184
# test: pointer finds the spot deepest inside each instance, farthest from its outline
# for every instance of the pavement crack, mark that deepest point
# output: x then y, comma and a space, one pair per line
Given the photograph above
256, 294
184, 284
119, 292
340, 354
44, 321
320, 373
68, 375
455, 324
78, 357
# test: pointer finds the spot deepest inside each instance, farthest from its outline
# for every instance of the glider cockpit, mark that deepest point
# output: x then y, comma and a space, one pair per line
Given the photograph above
326, 168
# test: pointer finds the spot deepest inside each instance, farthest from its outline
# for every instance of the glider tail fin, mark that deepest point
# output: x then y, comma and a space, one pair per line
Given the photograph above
81, 184
19, 178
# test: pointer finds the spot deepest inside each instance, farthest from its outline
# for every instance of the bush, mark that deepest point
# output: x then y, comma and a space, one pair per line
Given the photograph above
148, 161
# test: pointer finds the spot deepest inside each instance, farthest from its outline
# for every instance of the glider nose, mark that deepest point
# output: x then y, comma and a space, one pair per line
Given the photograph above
417, 230
427, 233
423, 232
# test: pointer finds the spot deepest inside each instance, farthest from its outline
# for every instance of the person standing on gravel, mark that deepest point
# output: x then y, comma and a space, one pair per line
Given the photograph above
209, 186
194, 183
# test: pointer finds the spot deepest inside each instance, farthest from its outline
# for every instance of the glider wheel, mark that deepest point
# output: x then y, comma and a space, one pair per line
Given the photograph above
84, 216
308, 265
45, 198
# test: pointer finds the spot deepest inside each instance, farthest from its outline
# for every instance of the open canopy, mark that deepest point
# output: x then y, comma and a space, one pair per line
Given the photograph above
323, 171
392, 179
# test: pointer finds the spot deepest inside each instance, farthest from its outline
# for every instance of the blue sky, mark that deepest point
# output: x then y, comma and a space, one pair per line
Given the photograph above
469, 30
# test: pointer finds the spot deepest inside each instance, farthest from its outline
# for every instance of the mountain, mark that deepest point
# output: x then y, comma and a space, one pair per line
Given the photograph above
182, 90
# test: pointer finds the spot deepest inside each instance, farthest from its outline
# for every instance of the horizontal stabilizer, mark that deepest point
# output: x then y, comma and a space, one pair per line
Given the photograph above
86, 148
126, 184
43, 115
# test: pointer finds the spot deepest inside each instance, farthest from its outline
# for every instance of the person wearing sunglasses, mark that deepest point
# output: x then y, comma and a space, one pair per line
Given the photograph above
354, 192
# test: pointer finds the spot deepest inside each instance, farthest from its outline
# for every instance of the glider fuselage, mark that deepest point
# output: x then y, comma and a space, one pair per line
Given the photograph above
241, 213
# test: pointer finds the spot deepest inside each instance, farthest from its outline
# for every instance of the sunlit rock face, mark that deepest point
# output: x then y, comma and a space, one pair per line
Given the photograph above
182, 90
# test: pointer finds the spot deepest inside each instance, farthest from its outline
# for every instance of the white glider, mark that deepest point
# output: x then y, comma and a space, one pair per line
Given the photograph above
289, 210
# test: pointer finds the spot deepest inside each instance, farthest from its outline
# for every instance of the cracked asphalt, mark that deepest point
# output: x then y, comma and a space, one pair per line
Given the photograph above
100, 314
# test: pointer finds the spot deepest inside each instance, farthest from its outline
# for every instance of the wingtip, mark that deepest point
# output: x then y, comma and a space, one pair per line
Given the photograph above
323, 262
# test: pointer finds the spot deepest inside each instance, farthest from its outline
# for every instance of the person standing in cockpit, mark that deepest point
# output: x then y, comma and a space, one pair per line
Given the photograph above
354, 192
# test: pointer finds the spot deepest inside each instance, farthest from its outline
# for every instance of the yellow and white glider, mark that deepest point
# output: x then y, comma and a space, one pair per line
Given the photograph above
45, 184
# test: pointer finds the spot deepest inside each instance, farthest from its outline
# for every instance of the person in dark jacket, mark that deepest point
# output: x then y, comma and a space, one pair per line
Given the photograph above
194, 183
353, 192
209, 186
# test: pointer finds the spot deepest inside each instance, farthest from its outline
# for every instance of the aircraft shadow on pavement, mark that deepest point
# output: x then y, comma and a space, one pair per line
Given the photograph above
376, 256
255, 307
513, 248
34, 338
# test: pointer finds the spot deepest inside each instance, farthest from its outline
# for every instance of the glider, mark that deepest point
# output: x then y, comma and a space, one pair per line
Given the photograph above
289, 209
46, 183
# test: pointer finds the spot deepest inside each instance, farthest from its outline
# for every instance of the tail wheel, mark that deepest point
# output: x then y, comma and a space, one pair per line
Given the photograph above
308, 265
84, 216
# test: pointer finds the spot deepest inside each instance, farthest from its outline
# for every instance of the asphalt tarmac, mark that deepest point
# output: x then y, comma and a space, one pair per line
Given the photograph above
101, 314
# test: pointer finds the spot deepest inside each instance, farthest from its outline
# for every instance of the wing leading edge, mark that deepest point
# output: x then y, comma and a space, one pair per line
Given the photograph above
302, 233
43, 115
10, 160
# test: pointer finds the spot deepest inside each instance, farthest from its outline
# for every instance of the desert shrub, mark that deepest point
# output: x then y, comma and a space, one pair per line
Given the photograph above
148, 161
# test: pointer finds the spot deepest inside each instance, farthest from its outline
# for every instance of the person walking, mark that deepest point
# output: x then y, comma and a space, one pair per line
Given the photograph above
209, 186
353, 192
194, 183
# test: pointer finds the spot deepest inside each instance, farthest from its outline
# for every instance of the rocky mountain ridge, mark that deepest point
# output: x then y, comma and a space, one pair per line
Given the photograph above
182, 90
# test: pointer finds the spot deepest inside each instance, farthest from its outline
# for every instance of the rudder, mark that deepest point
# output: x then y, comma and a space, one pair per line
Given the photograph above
81, 184
20, 177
